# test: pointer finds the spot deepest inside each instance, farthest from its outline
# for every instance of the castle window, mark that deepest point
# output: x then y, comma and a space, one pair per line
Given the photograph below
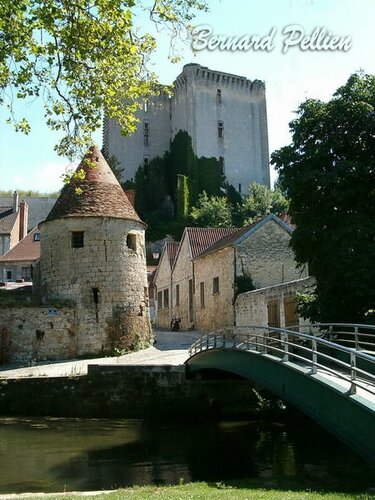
145, 160
160, 300
203, 303
131, 242
146, 132
239, 188
145, 106
220, 129
215, 285
166, 299
177, 295
221, 165
218, 96
37, 237
77, 239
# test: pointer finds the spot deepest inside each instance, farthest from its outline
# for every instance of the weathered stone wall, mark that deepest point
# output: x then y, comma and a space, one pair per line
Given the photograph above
218, 307
106, 279
163, 282
251, 307
38, 333
267, 257
182, 273
130, 392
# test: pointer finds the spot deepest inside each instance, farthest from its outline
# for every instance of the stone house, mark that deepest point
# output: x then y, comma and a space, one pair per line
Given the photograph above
18, 261
13, 226
174, 279
273, 305
208, 278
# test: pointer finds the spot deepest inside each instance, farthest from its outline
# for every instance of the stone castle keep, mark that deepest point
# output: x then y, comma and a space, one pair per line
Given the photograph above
225, 116
93, 278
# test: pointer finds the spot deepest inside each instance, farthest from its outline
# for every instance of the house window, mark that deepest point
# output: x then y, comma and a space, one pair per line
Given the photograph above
177, 295
215, 285
160, 300
273, 312
166, 299
221, 165
26, 273
202, 295
146, 132
37, 237
218, 96
220, 129
131, 242
77, 239
9, 275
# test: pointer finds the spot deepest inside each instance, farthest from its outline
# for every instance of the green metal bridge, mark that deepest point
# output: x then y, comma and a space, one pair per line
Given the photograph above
326, 370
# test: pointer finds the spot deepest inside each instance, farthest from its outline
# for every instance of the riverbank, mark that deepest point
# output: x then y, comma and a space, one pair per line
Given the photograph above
200, 491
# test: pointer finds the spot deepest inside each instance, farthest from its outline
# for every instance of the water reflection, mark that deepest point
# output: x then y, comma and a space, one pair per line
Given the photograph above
51, 454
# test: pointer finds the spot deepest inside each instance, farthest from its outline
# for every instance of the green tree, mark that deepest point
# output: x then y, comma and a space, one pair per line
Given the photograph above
82, 56
261, 201
213, 211
328, 172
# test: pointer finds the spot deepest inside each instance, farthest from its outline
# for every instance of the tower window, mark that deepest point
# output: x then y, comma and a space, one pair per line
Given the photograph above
77, 239
145, 160
215, 285
146, 132
131, 241
239, 188
37, 237
221, 165
145, 106
220, 129
218, 96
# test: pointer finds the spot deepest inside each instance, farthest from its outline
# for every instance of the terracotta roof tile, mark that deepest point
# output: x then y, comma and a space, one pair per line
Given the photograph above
171, 248
26, 250
202, 238
102, 194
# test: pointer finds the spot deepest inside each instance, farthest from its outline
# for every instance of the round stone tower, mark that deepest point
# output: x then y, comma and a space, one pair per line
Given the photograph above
93, 254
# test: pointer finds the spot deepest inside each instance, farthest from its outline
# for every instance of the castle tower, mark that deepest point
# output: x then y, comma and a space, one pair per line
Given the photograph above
93, 254
224, 114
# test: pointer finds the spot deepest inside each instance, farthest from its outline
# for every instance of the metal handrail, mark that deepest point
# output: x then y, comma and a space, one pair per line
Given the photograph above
313, 352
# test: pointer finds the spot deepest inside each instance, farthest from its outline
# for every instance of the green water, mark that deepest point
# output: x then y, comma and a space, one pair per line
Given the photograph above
57, 454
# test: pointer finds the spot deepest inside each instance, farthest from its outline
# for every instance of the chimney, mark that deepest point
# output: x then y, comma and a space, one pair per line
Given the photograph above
24, 219
15, 202
130, 193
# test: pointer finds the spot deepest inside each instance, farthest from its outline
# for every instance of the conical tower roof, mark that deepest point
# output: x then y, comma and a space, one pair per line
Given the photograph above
102, 195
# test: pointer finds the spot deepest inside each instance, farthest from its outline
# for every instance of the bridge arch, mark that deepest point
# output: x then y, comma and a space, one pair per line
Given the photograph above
310, 386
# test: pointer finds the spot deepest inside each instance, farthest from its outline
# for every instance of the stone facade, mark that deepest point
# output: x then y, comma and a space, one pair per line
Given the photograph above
255, 307
106, 279
214, 290
38, 333
203, 101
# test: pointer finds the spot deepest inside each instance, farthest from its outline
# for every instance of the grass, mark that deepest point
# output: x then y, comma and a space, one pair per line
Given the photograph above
209, 491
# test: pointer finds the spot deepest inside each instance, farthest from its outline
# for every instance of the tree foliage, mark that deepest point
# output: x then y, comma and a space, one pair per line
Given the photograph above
80, 57
213, 211
328, 172
261, 201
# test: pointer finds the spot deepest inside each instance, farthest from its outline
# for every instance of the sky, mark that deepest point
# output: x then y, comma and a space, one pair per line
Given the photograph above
292, 72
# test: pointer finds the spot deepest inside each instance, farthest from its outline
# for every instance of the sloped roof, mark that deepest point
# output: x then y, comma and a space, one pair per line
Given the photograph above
102, 195
171, 247
240, 234
26, 250
202, 238
7, 219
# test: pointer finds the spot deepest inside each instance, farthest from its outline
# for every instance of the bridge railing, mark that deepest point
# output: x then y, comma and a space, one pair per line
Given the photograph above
357, 336
312, 352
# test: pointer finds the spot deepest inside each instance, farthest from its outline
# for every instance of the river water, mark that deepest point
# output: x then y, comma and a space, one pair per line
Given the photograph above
57, 454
